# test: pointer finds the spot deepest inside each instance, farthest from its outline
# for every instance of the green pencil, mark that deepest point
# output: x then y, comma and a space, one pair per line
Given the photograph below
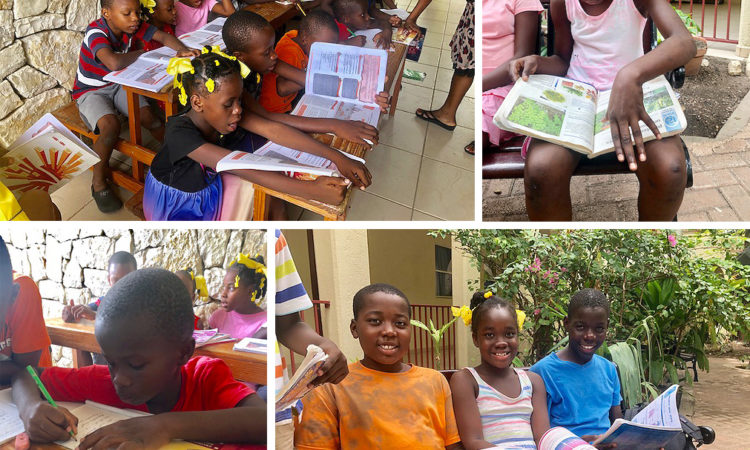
46, 395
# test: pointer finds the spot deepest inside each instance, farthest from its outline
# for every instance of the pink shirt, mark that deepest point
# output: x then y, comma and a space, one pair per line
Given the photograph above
190, 19
235, 324
498, 31
604, 44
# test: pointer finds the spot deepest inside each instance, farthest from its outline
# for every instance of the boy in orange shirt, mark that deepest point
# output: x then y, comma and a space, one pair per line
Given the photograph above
383, 402
277, 94
23, 335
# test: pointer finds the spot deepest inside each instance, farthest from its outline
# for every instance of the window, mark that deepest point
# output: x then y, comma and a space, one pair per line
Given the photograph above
443, 275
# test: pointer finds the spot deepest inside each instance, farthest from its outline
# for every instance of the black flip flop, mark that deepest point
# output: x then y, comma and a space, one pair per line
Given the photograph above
106, 200
434, 120
468, 146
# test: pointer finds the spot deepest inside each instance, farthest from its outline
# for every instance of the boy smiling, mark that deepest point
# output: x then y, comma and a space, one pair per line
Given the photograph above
583, 390
383, 402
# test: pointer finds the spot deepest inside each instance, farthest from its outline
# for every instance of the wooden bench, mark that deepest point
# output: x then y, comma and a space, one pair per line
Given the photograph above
140, 156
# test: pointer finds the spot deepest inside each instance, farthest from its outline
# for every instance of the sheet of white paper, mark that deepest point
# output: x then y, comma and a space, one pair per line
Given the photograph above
10, 423
370, 35
403, 15
41, 125
92, 416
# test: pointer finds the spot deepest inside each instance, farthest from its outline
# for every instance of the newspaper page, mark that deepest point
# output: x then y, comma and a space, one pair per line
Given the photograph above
552, 108
277, 158
661, 104
331, 108
350, 73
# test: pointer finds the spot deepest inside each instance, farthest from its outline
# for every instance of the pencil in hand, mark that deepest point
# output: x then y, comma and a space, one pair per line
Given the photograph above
46, 395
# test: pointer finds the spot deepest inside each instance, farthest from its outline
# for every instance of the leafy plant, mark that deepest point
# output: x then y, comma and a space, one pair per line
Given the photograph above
687, 20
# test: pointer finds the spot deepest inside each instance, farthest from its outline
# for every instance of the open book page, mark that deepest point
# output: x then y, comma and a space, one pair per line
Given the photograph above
199, 38
10, 422
370, 35
277, 158
252, 345
160, 55
661, 104
559, 438
92, 416
215, 26
143, 74
46, 162
662, 411
331, 108
352, 74
553, 109
297, 386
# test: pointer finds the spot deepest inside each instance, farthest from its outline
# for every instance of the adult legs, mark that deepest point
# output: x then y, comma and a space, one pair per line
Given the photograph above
662, 178
547, 173
446, 114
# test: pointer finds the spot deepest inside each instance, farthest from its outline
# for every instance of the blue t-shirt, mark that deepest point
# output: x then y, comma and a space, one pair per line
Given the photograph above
579, 397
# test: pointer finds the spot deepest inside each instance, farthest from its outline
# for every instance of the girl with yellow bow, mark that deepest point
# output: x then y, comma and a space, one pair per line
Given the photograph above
242, 291
163, 15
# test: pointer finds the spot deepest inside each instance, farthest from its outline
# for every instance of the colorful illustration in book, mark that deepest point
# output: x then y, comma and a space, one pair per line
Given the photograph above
43, 171
537, 116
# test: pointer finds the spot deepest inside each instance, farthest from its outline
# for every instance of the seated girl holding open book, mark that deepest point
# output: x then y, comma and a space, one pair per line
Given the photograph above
182, 184
600, 42
242, 289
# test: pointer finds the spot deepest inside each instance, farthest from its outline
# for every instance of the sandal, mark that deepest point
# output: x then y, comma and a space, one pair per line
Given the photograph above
428, 116
469, 148
106, 200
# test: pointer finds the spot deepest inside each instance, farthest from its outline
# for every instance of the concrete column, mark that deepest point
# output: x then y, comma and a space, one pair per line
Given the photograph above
463, 272
743, 44
343, 265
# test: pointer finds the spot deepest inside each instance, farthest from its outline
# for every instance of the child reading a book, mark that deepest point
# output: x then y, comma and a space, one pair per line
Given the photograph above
107, 48
193, 14
23, 334
583, 390
495, 403
601, 42
383, 402
509, 30
182, 184
145, 328
250, 38
243, 287
163, 15
277, 94
353, 15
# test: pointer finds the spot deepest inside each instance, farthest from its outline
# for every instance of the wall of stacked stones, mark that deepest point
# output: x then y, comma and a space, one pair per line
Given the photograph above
71, 264
39, 44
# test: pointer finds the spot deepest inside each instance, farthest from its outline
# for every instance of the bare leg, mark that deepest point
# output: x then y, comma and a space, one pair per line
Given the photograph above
150, 122
662, 178
547, 174
109, 131
276, 209
447, 113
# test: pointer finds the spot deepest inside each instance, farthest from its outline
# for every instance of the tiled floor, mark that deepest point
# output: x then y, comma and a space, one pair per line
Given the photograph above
420, 171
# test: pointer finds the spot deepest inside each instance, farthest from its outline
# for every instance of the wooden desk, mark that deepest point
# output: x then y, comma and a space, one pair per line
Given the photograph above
248, 367
278, 15
394, 71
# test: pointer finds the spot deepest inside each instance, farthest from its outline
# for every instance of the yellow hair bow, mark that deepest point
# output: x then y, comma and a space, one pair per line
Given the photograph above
250, 263
149, 4
244, 70
488, 294
176, 67
200, 284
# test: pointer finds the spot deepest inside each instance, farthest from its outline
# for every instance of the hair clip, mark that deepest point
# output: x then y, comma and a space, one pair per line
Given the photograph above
201, 286
149, 4
236, 281
488, 294
244, 70
210, 85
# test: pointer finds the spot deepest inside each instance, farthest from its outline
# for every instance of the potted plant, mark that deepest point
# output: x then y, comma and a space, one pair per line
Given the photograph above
692, 67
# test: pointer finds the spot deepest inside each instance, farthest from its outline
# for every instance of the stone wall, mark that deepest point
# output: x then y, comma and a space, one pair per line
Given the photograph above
39, 44
71, 264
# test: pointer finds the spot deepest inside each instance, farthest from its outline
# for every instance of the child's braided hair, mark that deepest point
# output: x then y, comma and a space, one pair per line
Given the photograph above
251, 272
147, 8
201, 74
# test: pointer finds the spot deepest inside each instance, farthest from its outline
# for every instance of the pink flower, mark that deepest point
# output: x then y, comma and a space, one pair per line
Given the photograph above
563, 269
672, 240
537, 311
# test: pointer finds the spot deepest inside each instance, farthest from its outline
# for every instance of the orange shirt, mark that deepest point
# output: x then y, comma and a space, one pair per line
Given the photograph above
372, 409
292, 54
24, 330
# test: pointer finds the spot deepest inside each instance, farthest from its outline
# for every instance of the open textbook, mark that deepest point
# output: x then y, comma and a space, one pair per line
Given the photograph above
149, 71
342, 82
297, 386
652, 428
45, 157
572, 114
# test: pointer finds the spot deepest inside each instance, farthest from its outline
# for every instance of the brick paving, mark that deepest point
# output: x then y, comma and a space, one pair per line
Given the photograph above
722, 401
720, 192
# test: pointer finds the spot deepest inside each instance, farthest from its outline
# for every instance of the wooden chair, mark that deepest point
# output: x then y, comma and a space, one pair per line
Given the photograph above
505, 161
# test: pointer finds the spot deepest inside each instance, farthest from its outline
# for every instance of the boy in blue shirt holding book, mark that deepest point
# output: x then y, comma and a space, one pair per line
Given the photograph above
583, 389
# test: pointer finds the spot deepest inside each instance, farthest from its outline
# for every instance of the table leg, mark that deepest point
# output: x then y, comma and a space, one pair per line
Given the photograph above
396, 91
134, 118
260, 205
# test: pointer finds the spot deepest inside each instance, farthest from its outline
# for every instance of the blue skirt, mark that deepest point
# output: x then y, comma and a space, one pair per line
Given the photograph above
162, 202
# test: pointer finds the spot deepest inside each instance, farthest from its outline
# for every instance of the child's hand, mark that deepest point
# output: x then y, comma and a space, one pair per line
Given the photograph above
48, 424
383, 39
353, 170
356, 131
593, 437
523, 67
329, 190
625, 110
335, 368
67, 313
395, 21
83, 312
383, 100
412, 25
138, 432
189, 53
358, 41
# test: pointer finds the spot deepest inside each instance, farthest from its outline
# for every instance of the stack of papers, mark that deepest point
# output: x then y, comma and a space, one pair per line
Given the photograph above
206, 337
252, 345
297, 386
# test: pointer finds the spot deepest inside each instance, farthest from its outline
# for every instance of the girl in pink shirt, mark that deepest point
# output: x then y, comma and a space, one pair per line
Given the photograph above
244, 286
600, 41
509, 30
193, 14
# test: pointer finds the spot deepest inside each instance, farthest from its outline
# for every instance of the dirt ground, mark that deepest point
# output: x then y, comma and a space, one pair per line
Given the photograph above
710, 97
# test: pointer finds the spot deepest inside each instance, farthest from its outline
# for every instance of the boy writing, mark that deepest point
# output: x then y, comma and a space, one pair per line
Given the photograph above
106, 48
583, 390
383, 402
23, 335
145, 328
